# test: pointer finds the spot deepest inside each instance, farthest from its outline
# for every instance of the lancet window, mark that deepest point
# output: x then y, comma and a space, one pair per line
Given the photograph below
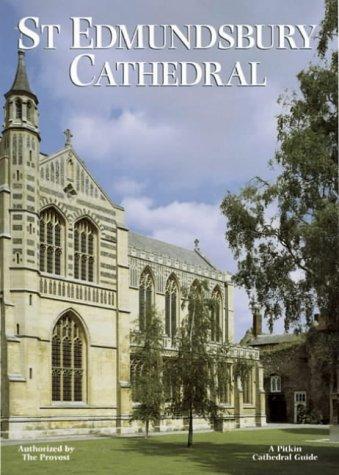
52, 231
85, 241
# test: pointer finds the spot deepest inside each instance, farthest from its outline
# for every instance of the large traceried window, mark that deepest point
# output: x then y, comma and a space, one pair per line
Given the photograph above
85, 239
146, 297
68, 360
171, 307
216, 316
52, 230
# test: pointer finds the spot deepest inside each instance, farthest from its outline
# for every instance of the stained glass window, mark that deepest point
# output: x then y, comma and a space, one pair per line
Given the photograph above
146, 290
84, 250
216, 311
51, 241
171, 306
68, 362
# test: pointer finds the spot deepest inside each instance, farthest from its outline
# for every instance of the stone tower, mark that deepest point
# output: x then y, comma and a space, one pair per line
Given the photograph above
21, 144
19, 156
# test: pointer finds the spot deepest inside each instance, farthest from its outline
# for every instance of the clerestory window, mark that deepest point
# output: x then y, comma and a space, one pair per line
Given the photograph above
171, 307
216, 316
146, 297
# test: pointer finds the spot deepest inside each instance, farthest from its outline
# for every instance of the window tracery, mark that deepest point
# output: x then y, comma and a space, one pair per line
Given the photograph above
85, 236
68, 360
216, 312
171, 307
51, 241
146, 296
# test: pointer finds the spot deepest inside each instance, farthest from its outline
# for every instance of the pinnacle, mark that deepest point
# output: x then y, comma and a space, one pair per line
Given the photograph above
21, 84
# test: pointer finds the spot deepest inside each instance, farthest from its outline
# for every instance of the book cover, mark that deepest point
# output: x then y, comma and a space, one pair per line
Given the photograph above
168, 236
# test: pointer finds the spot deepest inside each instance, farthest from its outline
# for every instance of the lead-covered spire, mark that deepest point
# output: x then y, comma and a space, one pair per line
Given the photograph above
21, 108
20, 84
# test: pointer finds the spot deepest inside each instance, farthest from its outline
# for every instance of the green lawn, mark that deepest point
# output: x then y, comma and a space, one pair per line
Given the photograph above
226, 453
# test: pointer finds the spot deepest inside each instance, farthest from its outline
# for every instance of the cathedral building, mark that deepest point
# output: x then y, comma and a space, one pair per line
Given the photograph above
75, 281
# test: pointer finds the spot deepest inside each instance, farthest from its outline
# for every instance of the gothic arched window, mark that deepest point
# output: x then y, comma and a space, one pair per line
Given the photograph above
171, 307
196, 287
85, 239
216, 312
68, 360
146, 296
52, 230
18, 109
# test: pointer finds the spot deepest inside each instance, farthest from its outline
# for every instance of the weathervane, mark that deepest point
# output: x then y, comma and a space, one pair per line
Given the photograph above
196, 245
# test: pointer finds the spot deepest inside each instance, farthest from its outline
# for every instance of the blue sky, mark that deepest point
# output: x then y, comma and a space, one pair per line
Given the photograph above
168, 154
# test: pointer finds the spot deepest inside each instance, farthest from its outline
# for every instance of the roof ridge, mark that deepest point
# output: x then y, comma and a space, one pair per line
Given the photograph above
192, 258
165, 242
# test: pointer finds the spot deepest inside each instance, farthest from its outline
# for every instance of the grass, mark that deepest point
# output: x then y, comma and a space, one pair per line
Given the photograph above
213, 453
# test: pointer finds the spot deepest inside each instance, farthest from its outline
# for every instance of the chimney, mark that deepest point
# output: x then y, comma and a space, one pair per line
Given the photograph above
257, 322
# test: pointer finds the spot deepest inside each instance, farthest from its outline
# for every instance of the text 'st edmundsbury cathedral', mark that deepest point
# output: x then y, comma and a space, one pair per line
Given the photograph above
74, 282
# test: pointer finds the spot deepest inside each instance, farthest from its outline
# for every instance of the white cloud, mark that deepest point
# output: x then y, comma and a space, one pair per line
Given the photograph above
130, 136
216, 137
195, 138
180, 223
126, 186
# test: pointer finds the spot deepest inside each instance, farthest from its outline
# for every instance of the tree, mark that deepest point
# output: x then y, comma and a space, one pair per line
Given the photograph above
193, 368
284, 233
147, 387
329, 26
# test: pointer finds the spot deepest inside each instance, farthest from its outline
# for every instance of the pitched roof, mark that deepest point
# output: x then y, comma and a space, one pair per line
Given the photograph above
20, 83
161, 248
274, 339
